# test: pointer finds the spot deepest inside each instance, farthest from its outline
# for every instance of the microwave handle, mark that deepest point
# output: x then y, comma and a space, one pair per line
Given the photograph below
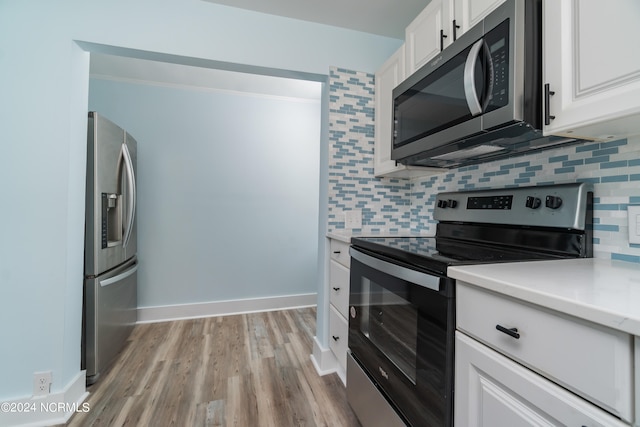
469, 78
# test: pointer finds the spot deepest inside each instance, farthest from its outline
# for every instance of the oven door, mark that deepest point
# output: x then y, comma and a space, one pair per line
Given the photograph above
401, 329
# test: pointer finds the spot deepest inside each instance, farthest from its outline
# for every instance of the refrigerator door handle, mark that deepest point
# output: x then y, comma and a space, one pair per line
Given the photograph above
131, 194
119, 277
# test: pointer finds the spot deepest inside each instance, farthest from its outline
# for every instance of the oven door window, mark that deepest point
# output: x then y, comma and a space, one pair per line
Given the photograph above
390, 322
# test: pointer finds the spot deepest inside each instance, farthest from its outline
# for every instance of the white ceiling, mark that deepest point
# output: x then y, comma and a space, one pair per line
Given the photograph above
383, 17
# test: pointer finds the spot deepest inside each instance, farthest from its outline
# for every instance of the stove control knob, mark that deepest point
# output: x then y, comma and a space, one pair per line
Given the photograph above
442, 204
452, 203
553, 202
533, 202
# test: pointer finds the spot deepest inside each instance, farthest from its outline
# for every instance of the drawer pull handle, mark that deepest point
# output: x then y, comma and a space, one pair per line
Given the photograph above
335, 338
336, 289
512, 332
336, 252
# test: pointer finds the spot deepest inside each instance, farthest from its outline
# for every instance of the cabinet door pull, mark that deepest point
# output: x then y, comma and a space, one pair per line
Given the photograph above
335, 338
442, 37
336, 289
512, 332
547, 94
336, 252
455, 33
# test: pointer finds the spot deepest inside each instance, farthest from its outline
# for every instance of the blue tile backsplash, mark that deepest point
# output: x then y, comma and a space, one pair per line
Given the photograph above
407, 205
384, 203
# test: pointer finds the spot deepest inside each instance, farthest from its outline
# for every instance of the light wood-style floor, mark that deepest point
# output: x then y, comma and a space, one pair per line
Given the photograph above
243, 370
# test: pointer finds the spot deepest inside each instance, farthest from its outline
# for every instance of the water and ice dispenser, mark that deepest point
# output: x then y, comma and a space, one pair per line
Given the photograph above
111, 219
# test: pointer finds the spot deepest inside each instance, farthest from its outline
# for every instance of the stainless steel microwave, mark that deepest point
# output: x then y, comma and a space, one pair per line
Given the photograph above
480, 99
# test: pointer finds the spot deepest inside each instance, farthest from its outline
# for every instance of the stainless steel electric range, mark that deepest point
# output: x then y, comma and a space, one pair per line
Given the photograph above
400, 370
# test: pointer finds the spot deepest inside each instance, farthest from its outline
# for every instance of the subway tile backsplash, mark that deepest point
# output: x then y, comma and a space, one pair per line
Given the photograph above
384, 203
407, 205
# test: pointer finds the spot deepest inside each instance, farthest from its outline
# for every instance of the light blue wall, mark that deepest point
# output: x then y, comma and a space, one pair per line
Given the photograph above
43, 106
228, 190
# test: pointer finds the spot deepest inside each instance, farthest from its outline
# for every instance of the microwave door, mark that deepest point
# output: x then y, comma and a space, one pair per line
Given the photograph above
432, 105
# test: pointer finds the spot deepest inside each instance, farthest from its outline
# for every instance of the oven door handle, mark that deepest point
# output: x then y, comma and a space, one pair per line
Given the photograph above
413, 276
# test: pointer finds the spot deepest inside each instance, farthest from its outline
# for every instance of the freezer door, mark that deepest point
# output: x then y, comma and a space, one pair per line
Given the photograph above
111, 196
110, 313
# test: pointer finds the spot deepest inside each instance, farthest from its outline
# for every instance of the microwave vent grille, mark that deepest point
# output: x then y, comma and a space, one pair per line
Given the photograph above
480, 150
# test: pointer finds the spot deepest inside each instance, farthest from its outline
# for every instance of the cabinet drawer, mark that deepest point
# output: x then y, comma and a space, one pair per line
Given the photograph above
592, 361
338, 336
339, 287
340, 252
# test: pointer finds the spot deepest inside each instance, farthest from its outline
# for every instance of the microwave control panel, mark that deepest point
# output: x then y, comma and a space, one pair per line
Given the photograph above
497, 41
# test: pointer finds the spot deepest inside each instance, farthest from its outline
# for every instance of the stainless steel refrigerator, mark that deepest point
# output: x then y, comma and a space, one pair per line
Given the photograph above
110, 265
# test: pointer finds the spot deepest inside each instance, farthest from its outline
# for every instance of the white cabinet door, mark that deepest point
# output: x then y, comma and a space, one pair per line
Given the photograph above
493, 391
387, 78
592, 67
469, 12
439, 25
590, 360
428, 34
340, 252
339, 336
339, 287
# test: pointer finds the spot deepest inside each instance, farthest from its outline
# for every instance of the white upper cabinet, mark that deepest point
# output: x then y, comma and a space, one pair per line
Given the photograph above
469, 12
386, 79
428, 34
592, 67
439, 25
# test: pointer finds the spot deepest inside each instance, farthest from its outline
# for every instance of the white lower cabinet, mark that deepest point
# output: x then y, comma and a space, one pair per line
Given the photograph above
340, 252
519, 364
494, 391
339, 330
339, 264
339, 292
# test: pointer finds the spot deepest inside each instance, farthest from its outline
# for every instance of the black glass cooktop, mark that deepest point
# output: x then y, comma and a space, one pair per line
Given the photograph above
419, 252
435, 254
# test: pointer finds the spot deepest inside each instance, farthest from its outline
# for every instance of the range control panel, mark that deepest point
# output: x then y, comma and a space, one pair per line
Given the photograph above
561, 205
490, 202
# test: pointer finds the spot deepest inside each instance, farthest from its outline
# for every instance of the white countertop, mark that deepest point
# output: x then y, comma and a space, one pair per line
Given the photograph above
601, 291
343, 236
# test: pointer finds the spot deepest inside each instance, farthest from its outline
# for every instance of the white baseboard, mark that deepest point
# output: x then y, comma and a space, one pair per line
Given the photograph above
55, 408
323, 359
223, 308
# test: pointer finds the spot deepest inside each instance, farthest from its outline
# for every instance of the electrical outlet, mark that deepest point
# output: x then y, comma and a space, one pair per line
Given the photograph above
353, 218
633, 212
41, 383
